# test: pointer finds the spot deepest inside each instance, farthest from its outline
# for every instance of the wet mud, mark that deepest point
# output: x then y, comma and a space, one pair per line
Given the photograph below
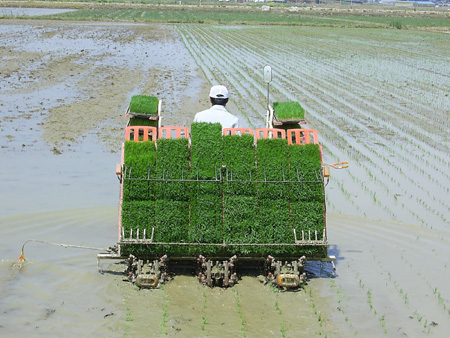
64, 88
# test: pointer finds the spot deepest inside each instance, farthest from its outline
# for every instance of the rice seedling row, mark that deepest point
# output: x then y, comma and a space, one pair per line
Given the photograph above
383, 114
410, 294
440, 300
225, 62
367, 178
243, 326
163, 323
231, 51
317, 313
409, 239
370, 311
221, 67
251, 76
400, 108
375, 151
371, 178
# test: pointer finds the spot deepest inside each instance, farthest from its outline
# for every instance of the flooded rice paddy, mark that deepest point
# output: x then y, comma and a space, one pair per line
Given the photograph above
64, 88
24, 12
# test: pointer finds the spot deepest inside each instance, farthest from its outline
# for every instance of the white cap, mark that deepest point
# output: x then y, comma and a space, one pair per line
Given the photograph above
218, 92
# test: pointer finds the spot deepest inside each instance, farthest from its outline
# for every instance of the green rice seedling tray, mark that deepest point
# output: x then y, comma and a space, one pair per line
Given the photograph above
143, 105
289, 112
172, 193
138, 215
206, 194
239, 204
222, 196
139, 165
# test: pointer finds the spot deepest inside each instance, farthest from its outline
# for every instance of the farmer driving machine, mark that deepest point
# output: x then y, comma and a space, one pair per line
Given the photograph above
219, 202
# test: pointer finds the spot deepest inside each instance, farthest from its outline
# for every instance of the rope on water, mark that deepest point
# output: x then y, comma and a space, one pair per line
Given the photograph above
22, 255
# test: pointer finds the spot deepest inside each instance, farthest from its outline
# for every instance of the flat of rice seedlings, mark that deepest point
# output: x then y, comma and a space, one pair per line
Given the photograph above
138, 204
307, 193
143, 104
138, 215
206, 220
305, 173
288, 111
206, 150
139, 161
239, 192
135, 121
172, 193
272, 223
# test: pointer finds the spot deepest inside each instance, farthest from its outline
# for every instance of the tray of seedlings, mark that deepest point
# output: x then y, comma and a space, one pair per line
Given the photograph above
213, 200
287, 113
144, 110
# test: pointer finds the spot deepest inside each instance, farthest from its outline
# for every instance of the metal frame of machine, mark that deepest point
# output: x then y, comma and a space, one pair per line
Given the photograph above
149, 270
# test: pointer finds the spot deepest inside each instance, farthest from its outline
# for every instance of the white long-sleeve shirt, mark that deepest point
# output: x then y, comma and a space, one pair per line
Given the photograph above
217, 114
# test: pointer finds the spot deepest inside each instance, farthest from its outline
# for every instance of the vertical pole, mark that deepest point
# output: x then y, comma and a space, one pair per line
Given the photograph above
267, 74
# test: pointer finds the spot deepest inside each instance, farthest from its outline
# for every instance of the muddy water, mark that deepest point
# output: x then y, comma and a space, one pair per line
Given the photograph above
15, 11
64, 93
57, 287
391, 278
376, 292
64, 89
57, 290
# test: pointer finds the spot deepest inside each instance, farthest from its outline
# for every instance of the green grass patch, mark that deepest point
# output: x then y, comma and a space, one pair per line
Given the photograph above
398, 22
211, 16
289, 111
235, 15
